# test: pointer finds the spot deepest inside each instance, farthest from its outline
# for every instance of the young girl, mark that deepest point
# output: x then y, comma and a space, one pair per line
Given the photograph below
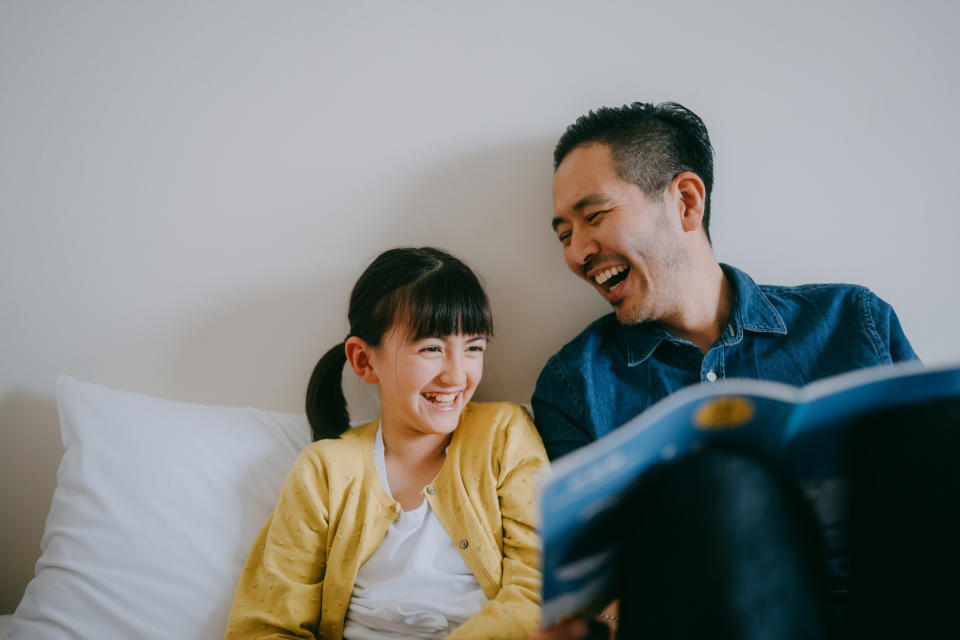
419, 524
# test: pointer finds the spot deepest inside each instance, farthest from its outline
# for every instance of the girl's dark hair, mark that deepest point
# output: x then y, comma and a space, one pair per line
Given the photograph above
425, 291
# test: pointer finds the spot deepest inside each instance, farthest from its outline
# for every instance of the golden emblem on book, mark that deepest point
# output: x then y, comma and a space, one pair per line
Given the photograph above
724, 413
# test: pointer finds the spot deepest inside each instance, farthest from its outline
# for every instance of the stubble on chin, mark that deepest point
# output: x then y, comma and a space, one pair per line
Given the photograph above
663, 302
628, 315
661, 275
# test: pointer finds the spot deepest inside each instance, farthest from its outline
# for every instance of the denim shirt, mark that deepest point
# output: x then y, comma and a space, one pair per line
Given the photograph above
611, 372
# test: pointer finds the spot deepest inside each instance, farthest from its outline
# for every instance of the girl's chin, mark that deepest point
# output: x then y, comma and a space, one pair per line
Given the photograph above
441, 421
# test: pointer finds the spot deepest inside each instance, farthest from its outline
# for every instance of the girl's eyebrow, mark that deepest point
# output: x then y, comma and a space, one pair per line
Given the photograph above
475, 338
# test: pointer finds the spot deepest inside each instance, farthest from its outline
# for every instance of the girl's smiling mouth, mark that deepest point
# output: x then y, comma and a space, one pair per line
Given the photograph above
442, 400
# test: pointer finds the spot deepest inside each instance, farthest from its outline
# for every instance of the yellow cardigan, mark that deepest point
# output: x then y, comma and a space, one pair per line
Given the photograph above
333, 505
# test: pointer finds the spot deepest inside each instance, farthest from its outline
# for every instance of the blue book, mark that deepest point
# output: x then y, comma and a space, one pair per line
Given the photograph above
806, 432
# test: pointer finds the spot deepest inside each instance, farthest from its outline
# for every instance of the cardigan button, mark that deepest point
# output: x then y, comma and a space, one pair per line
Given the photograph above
463, 543
431, 490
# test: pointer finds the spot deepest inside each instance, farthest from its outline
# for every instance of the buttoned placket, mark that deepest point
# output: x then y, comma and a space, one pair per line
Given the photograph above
431, 490
712, 367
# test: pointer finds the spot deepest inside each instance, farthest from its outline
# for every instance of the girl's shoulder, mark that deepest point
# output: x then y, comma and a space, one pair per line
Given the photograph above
494, 413
354, 439
494, 421
499, 435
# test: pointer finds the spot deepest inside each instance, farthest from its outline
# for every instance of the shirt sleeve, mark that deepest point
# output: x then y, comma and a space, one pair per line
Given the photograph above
887, 330
515, 611
558, 413
278, 595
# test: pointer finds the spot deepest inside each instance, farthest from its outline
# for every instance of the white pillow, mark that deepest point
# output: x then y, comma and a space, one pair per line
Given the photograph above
156, 506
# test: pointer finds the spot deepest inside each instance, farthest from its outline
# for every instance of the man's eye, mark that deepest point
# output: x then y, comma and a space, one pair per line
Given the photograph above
593, 216
564, 237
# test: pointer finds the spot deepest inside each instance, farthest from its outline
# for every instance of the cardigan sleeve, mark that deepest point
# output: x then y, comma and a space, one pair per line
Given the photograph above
515, 611
278, 595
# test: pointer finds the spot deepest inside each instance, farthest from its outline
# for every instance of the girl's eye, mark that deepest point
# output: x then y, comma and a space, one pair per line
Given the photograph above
431, 348
476, 347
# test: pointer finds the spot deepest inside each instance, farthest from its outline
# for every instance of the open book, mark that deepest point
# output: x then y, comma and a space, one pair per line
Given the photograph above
804, 431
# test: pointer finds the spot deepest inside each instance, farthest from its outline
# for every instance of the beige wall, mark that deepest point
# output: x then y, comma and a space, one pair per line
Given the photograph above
188, 190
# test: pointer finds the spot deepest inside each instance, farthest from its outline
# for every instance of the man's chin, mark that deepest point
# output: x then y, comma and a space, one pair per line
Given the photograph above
627, 314
622, 316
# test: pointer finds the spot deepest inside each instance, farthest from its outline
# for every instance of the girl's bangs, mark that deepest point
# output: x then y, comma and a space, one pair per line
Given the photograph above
447, 301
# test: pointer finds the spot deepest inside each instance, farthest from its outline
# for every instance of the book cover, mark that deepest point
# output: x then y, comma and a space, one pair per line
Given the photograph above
804, 431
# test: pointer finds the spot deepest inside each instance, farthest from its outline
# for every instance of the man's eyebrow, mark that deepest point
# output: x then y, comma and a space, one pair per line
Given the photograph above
584, 202
589, 200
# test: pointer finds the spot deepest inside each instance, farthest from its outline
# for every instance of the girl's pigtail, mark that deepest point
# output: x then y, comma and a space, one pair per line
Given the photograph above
326, 406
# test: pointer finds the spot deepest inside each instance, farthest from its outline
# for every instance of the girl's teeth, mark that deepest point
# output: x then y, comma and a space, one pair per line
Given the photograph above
441, 398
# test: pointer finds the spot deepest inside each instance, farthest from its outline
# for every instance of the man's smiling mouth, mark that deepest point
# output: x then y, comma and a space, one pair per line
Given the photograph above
612, 276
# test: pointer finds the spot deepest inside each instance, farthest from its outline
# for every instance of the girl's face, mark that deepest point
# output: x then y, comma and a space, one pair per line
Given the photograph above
425, 384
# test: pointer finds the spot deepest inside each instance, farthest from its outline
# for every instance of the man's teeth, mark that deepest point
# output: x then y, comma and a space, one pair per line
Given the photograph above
603, 276
441, 398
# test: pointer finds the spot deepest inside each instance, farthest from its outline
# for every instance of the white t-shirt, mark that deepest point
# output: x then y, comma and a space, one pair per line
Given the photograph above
415, 585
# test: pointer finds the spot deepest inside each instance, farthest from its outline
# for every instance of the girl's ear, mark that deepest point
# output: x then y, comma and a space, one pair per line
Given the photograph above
358, 355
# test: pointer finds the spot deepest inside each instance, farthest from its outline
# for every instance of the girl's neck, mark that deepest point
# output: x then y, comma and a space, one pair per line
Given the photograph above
413, 448
412, 461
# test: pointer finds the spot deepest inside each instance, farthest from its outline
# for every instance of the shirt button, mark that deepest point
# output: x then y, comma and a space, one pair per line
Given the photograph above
431, 490
463, 543
711, 376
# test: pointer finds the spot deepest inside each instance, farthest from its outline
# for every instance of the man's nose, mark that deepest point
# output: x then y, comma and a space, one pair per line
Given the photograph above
582, 247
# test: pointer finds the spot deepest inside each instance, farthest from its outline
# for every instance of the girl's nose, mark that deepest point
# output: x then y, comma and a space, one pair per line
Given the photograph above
453, 373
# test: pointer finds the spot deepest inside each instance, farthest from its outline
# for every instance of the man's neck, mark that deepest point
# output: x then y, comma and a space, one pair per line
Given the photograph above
708, 300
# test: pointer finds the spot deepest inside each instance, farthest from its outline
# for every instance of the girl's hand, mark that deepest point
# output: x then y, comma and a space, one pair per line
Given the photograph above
572, 629
603, 627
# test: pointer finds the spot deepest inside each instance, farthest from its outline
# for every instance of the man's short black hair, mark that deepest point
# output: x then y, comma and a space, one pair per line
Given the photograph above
651, 145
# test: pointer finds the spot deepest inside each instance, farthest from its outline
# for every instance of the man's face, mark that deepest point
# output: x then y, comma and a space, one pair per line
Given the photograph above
627, 246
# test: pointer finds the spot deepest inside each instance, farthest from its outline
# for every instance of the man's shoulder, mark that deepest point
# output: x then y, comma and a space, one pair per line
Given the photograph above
815, 294
839, 307
802, 294
598, 335
829, 301
844, 314
840, 313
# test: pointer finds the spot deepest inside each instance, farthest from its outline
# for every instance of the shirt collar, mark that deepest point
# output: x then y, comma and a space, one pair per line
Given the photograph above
751, 311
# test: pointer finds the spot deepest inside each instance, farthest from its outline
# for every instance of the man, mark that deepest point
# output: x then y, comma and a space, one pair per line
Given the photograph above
631, 199
723, 547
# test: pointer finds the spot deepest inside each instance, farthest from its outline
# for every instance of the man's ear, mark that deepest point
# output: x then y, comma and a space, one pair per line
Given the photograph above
692, 196
359, 357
